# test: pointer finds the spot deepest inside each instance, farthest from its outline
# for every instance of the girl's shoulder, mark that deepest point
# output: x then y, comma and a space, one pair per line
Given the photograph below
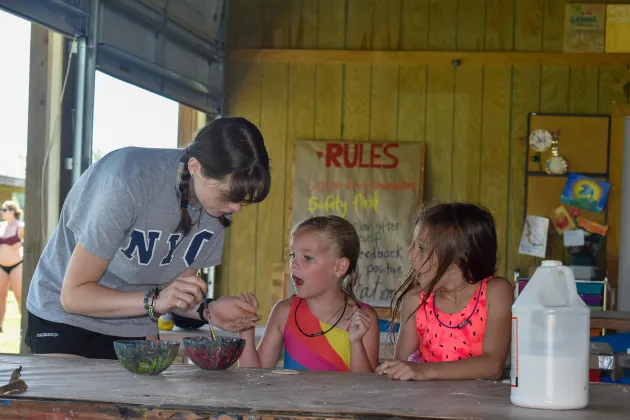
500, 289
284, 304
282, 308
280, 314
369, 310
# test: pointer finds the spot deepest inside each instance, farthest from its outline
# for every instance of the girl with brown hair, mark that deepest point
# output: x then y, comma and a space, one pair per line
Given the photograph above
455, 314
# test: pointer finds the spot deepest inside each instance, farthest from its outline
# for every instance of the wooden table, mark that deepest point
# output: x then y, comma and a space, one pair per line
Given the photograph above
61, 388
611, 320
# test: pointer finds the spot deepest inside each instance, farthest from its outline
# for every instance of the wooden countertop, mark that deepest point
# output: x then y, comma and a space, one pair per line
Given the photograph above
83, 388
612, 320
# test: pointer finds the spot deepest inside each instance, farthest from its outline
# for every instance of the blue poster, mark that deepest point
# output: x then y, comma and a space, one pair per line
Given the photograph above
585, 193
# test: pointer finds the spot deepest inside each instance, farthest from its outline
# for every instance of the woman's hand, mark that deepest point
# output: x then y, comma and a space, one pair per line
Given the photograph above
233, 314
404, 371
359, 325
249, 298
183, 293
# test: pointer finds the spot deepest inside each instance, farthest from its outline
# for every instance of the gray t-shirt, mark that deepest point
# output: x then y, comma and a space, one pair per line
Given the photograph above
125, 209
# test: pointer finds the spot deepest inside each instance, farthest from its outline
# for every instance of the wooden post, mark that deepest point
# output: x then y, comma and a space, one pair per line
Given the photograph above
42, 171
190, 120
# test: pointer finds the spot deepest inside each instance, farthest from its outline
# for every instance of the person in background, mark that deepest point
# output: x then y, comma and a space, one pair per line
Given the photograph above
11, 255
455, 314
133, 233
323, 326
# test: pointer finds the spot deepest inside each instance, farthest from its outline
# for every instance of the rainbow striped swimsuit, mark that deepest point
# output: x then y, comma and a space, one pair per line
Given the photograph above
330, 351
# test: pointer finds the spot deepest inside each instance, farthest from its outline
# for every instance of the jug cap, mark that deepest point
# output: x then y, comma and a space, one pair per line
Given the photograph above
551, 263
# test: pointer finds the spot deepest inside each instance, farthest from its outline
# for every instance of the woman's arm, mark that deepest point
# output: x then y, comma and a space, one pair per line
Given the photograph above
268, 352
81, 293
364, 352
407, 342
100, 212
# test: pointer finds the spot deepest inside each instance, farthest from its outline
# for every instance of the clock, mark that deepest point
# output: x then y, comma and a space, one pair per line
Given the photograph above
540, 140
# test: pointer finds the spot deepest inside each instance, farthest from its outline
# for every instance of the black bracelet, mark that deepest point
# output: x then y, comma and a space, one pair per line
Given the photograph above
202, 307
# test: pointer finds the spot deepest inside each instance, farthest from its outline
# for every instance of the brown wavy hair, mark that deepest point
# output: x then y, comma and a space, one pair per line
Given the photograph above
347, 245
460, 234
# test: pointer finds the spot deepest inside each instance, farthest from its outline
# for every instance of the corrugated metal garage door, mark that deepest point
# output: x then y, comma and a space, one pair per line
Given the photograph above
175, 48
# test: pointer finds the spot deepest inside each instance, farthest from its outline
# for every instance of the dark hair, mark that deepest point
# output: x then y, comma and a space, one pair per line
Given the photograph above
347, 245
460, 234
228, 149
13, 206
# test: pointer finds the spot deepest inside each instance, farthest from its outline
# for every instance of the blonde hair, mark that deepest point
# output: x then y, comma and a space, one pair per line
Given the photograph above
14, 206
347, 245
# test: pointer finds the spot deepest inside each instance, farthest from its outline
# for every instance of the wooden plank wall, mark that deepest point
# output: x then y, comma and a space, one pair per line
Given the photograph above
474, 119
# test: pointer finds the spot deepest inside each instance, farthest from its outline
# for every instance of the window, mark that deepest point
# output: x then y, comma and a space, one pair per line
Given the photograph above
126, 115
15, 46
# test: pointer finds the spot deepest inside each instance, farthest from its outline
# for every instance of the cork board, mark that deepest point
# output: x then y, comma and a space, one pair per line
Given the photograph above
543, 196
583, 141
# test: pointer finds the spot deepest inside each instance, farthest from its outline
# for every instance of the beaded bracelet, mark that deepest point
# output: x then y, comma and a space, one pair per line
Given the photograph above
203, 311
149, 307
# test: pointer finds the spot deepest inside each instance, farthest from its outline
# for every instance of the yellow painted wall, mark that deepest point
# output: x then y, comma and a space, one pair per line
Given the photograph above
473, 119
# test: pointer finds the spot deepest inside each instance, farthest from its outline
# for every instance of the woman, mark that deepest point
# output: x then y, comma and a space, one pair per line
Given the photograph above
11, 237
133, 233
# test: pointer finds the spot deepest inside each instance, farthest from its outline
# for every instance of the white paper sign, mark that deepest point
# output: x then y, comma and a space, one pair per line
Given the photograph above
534, 238
573, 237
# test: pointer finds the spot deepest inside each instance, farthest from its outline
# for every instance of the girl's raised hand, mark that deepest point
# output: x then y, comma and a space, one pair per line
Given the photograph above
249, 298
359, 325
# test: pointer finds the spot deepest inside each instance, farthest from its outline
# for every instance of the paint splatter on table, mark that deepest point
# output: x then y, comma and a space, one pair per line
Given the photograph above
103, 389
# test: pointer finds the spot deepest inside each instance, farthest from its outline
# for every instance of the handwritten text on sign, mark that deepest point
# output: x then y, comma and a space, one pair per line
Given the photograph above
373, 185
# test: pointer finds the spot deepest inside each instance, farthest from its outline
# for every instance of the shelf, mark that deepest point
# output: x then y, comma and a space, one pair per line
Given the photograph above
545, 174
429, 57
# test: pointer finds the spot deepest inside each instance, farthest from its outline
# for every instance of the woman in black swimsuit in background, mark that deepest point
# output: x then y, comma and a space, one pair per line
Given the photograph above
11, 237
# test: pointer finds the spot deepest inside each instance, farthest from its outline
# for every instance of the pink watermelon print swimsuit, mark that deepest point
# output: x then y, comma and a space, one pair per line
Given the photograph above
445, 337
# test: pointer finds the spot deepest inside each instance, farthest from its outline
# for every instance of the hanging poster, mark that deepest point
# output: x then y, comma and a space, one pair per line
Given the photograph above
584, 27
585, 193
377, 187
534, 237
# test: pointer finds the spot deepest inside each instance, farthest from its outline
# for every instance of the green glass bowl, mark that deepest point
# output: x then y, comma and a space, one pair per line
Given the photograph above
146, 356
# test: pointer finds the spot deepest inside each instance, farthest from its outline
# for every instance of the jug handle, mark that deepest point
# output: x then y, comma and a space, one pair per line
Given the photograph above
567, 273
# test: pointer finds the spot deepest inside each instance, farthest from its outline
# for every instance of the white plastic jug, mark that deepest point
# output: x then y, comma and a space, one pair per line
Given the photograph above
550, 342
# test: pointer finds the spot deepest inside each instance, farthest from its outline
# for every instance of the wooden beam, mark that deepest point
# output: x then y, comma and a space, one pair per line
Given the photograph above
42, 173
430, 57
187, 125
190, 120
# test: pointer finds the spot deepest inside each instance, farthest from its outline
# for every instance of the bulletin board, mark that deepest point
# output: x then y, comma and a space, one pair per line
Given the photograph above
377, 186
584, 141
